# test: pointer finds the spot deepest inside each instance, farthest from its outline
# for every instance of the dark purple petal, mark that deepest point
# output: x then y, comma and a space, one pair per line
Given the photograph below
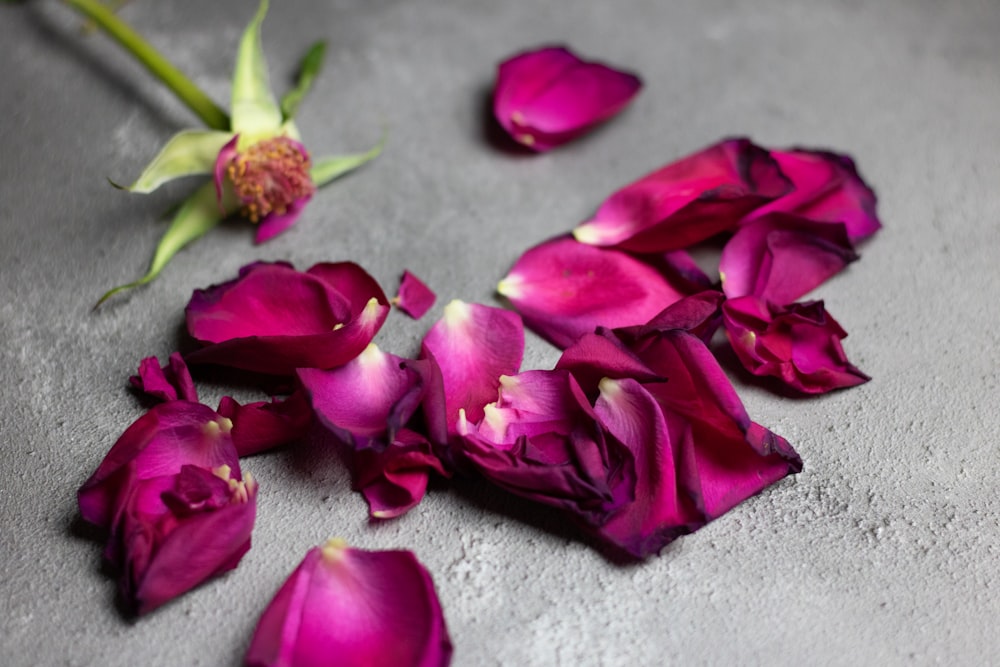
159, 443
169, 383
798, 344
687, 201
414, 297
780, 257
263, 425
699, 314
565, 289
473, 345
548, 96
273, 319
828, 188
366, 608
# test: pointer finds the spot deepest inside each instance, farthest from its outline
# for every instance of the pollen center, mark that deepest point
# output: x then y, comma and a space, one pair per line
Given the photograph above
269, 176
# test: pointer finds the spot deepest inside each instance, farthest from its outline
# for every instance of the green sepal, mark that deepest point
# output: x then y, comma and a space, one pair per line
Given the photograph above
327, 169
309, 68
254, 109
188, 153
196, 216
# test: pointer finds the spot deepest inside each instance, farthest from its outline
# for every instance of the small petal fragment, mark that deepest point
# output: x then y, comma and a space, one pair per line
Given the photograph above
169, 383
414, 297
366, 608
798, 344
565, 289
273, 319
687, 201
473, 345
264, 425
780, 257
546, 97
828, 188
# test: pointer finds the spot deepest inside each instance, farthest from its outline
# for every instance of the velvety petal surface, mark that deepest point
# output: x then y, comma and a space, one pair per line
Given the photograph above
367, 608
274, 319
167, 383
263, 425
548, 96
687, 201
828, 188
798, 344
780, 257
565, 289
473, 345
414, 297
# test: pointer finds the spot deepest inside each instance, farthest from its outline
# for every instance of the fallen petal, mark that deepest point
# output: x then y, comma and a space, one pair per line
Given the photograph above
263, 425
167, 383
414, 297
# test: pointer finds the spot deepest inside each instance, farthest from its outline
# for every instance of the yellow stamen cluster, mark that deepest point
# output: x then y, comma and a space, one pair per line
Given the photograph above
269, 176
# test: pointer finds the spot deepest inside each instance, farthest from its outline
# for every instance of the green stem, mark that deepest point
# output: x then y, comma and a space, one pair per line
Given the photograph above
184, 88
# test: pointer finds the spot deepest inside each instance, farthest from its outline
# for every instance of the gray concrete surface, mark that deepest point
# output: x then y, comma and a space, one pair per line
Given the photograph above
882, 552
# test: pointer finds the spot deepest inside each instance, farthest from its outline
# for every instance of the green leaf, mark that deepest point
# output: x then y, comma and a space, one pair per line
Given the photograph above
329, 168
188, 153
255, 110
308, 70
196, 216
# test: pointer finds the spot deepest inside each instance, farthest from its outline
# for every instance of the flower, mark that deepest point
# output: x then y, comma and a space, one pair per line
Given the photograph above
548, 96
260, 168
798, 344
274, 319
780, 257
371, 404
687, 201
172, 498
356, 608
564, 288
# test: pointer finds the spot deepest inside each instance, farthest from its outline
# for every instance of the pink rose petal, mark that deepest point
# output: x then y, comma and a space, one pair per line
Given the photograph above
780, 257
473, 345
414, 297
546, 97
356, 608
263, 425
798, 344
169, 383
565, 289
828, 188
687, 201
273, 319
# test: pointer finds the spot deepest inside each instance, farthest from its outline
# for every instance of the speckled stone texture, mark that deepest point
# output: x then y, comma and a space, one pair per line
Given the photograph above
883, 551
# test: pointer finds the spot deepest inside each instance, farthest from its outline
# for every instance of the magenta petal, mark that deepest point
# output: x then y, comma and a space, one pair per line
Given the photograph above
828, 188
225, 156
393, 480
201, 545
661, 511
548, 96
687, 201
799, 344
365, 608
264, 425
274, 223
159, 443
565, 289
169, 383
273, 319
699, 314
780, 257
473, 345
414, 297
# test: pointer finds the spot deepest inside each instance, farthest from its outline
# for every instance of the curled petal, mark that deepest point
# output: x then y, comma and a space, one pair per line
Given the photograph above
799, 344
699, 314
273, 319
414, 297
367, 608
159, 443
473, 345
687, 201
565, 289
549, 96
169, 383
393, 480
780, 257
263, 425
828, 188
275, 223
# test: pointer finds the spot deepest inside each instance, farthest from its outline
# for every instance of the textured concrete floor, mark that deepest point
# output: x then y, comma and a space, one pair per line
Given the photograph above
883, 552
